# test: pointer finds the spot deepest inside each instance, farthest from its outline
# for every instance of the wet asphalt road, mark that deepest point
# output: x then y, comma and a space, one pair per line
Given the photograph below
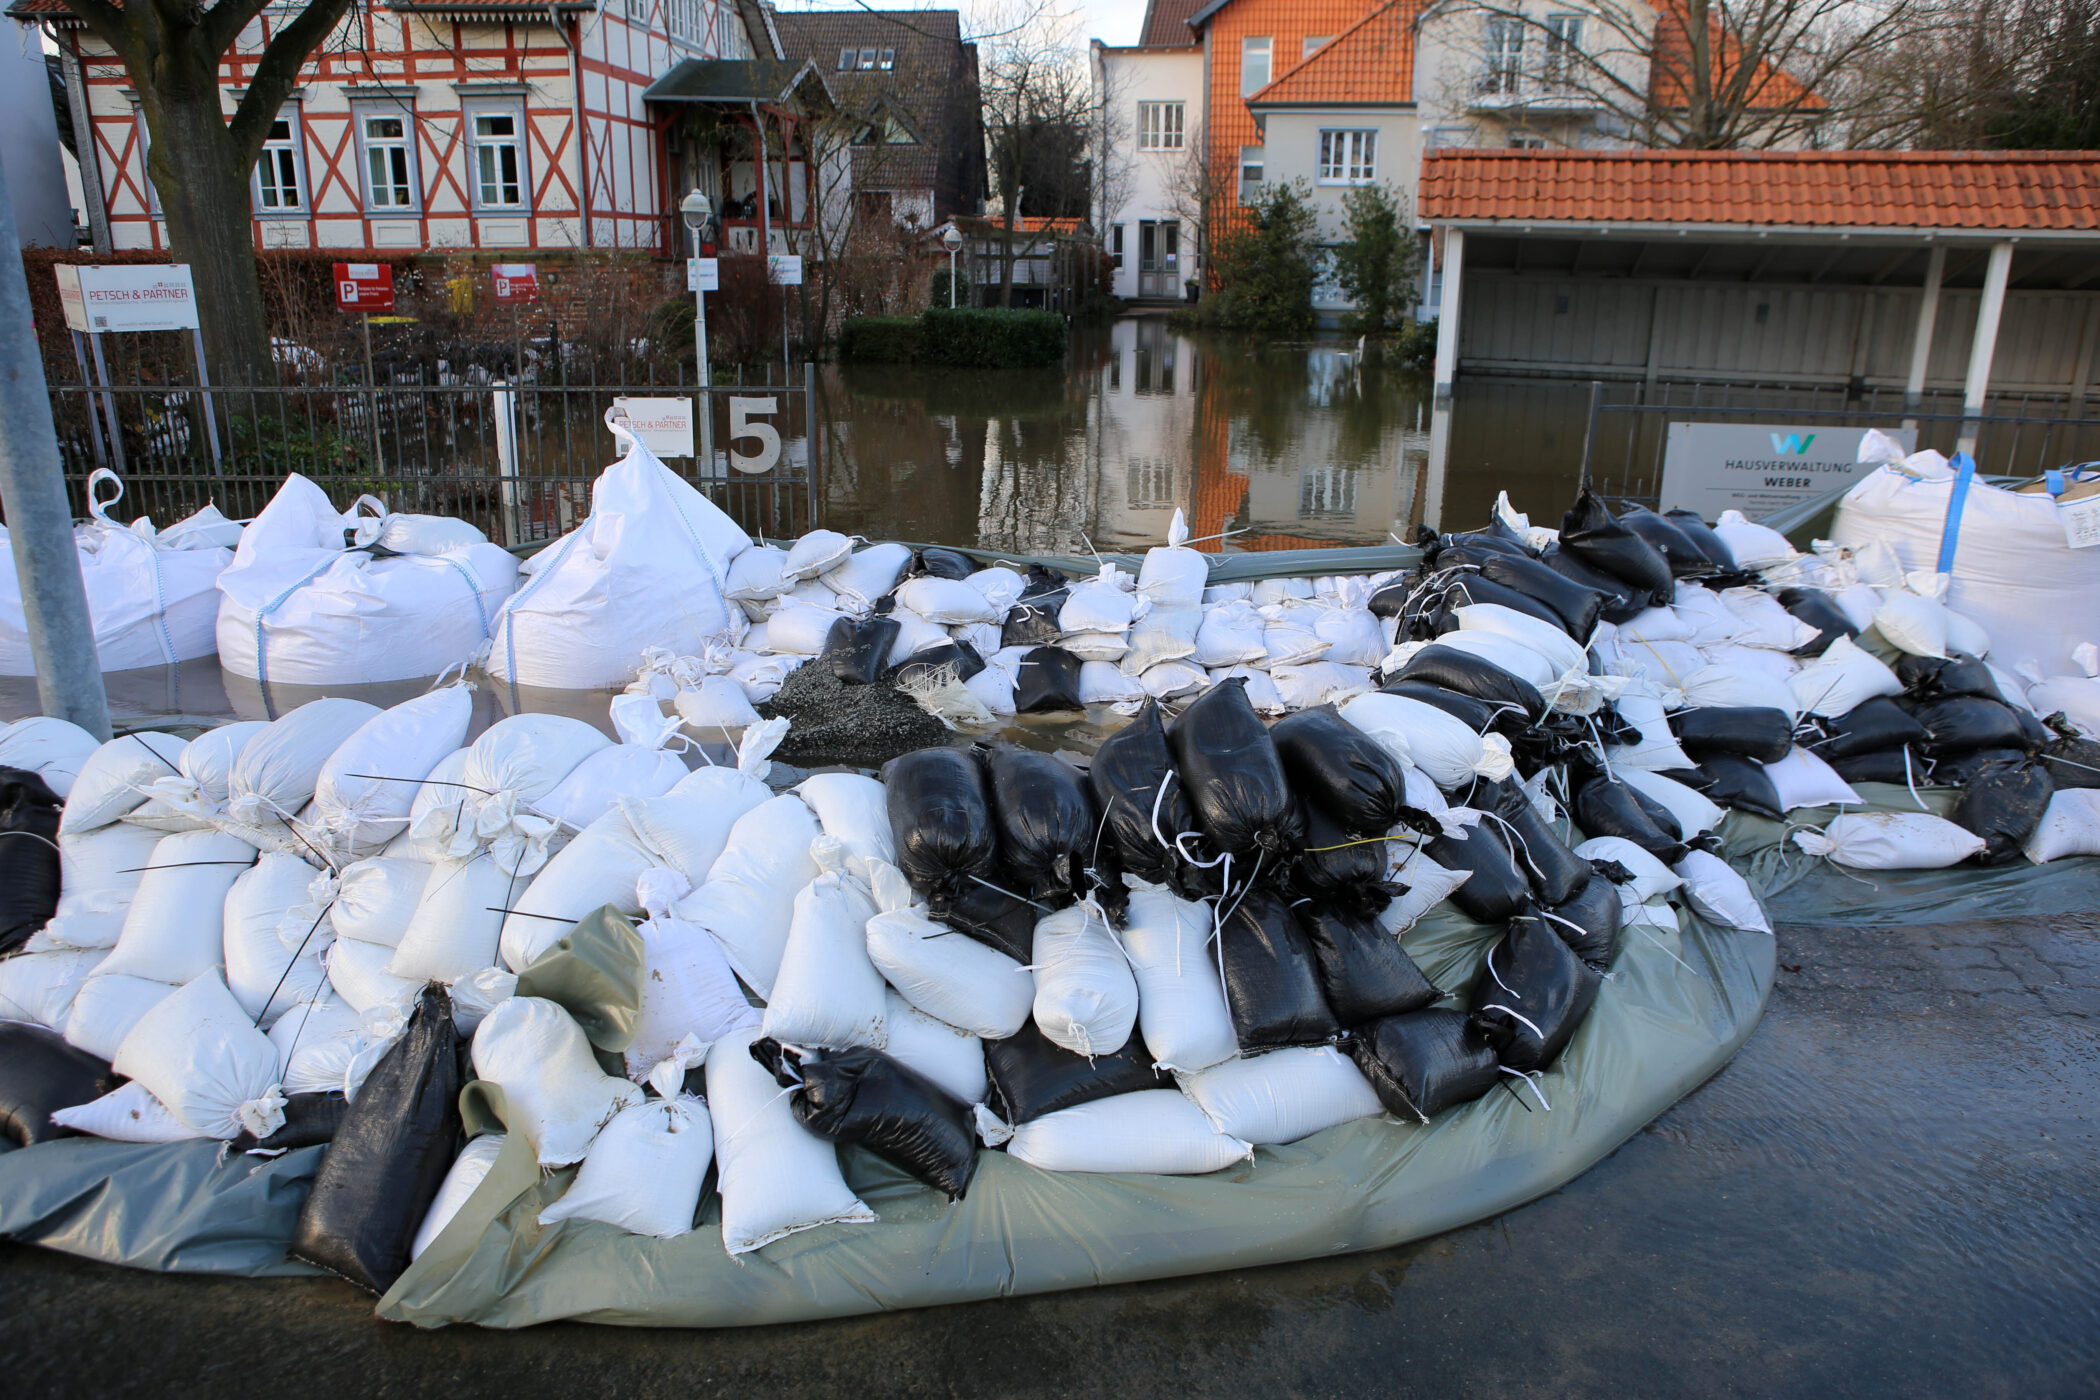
1893, 1190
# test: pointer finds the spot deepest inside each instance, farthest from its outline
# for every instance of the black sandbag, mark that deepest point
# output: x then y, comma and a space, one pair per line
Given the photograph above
1234, 776
1746, 731
863, 1096
389, 1155
1935, 677
1554, 871
1471, 675
1597, 537
989, 909
1957, 770
1363, 970
1449, 551
1390, 600
1346, 773
1683, 777
1741, 783
2071, 762
953, 660
1607, 808
1589, 922
1814, 607
1573, 600
1479, 588
1496, 890
40, 1073
1342, 869
945, 563
1476, 714
1040, 581
1272, 979
1125, 778
1693, 527
1048, 826
1962, 723
1048, 681
1423, 1062
1617, 601
2003, 804
1030, 625
940, 817
29, 866
309, 1120
1901, 765
858, 649
1686, 560
1031, 1076
2034, 735
1872, 726
1532, 994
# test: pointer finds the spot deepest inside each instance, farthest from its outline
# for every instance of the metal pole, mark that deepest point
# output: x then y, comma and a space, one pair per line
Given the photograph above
1589, 434
951, 279
39, 518
211, 418
94, 414
706, 405
109, 402
810, 440
372, 394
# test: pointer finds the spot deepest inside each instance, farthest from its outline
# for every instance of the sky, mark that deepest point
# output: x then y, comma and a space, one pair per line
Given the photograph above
1111, 21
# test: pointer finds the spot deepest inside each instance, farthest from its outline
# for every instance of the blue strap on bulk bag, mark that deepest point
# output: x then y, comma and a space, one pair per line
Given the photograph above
1964, 472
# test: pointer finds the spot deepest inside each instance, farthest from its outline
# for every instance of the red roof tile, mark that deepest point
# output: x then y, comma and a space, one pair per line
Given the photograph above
1372, 61
1836, 189
1167, 23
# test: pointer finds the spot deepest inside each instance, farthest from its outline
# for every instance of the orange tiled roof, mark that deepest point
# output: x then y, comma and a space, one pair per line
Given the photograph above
1670, 58
1372, 61
1840, 189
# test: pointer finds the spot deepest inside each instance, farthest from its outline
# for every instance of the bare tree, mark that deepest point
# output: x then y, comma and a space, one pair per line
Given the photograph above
1200, 188
1038, 115
1990, 73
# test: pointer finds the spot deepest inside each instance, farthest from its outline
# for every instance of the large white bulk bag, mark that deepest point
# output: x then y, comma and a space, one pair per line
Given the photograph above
647, 568
947, 975
1437, 743
828, 994
557, 1095
175, 927
364, 790
748, 900
1085, 997
1716, 892
40, 987
598, 868
53, 749
1182, 1011
107, 1007
644, 1170
2070, 827
272, 960
948, 1055
1283, 1095
98, 872
777, 1177
1173, 576
298, 607
199, 1053
1890, 841
459, 920
687, 990
854, 810
196, 795
277, 771
116, 778
375, 899
469, 1170
127, 1113
1158, 1131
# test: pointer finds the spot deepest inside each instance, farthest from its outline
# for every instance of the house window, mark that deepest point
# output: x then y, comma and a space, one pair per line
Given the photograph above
499, 159
1563, 46
1348, 157
729, 33
888, 60
1526, 141
1313, 44
1251, 164
1505, 55
1254, 65
390, 160
845, 60
683, 19
1327, 493
277, 187
867, 60
1160, 125
895, 133
1115, 245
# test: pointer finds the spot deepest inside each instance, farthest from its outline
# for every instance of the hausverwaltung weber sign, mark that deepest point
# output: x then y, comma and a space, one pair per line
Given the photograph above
1712, 467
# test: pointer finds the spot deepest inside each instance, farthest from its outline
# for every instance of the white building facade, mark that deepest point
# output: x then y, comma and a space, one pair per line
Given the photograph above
1149, 196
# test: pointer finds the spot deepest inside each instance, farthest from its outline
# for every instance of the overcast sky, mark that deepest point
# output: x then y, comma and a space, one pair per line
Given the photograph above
1111, 21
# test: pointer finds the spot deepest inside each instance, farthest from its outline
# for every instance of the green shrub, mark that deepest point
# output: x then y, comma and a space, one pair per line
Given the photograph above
1377, 264
892, 340
939, 294
1264, 265
1414, 346
992, 339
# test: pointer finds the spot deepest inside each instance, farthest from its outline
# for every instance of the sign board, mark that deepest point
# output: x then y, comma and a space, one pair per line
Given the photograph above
784, 269
365, 287
703, 274
665, 426
1759, 469
516, 283
146, 297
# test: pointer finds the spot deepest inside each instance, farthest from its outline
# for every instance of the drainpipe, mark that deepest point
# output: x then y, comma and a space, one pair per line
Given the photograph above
583, 143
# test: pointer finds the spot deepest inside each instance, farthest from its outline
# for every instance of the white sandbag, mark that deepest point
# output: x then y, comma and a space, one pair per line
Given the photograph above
1348, 591
1966, 635
817, 552
1105, 683
459, 921
316, 1040
748, 900
643, 1171
686, 831
1182, 1012
716, 705
1753, 546
1440, 745
802, 630
1891, 841
2076, 697
1803, 780
1677, 624
638, 766
945, 602
1858, 602
755, 575
1776, 664
107, 1006
646, 568
1716, 892
948, 1055
1912, 623
1096, 646
1650, 876
53, 749
199, 1053
812, 593
1279, 590
1843, 678
1663, 663
271, 961
99, 873
1428, 884
1173, 575
1319, 683
687, 990
127, 1113
777, 1177
1765, 623
950, 977
1085, 997
376, 899
558, 1096
1288, 636
473, 998
442, 786
174, 929
2070, 827
761, 676
854, 810
981, 637
1504, 652
1721, 687
1101, 604
468, 1171
1172, 680
1231, 634
868, 575
601, 866
1261, 689
1560, 652
116, 777
1282, 1096
1658, 750
427, 534
914, 635
1694, 811
1002, 587
357, 972
1353, 635
365, 788
994, 685
1157, 1131
278, 770
196, 795
1164, 633
493, 808
298, 608
530, 754
40, 986
828, 994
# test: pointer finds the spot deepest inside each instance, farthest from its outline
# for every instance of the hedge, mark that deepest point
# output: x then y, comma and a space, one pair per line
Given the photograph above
880, 339
992, 339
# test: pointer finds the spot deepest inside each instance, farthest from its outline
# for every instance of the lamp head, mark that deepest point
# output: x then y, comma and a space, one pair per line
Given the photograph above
951, 238
697, 209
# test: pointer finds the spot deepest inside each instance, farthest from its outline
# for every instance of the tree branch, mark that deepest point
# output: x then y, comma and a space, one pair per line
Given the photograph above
277, 73
223, 22
105, 21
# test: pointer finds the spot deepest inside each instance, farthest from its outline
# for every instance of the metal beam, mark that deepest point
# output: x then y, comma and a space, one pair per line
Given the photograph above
1705, 256
1829, 262
1447, 314
1921, 334
1889, 268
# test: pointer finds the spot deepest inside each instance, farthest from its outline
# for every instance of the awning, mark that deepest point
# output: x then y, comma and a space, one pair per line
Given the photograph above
737, 82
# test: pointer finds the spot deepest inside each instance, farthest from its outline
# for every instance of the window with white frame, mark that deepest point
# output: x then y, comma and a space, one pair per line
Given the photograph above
1526, 141
278, 189
498, 141
1505, 55
687, 21
1251, 164
1161, 125
1348, 157
867, 60
729, 33
1255, 54
1563, 48
845, 60
389, 139
1115, 245
1313, 44
888, 61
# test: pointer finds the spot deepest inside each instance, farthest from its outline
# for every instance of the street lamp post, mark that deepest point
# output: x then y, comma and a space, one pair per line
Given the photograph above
952, 240
698, 209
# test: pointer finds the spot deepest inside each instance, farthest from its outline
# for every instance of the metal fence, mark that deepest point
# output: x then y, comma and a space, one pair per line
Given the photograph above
517, 460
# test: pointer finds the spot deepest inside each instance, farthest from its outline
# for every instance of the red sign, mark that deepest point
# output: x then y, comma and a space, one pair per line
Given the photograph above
516, 282
365, 287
